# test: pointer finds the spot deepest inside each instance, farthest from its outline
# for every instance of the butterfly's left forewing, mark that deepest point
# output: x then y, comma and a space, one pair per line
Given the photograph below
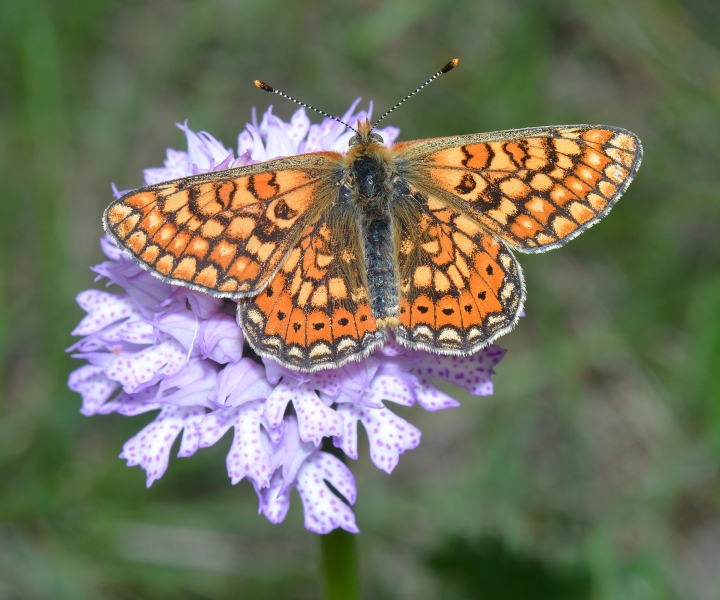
224, 233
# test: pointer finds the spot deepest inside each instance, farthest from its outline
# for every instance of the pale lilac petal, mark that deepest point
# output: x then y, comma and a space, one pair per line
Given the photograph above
100, 354
135, 331
94, 387
222, 339
278, 143
315, 137
116, 192
176, 158
348, 440
130, 405
342, 143
275, 500
214, 149
247, 456
274, 372
246, 143
258, 149
324, 511
349, 383
316, 419
262, 128
337, 129
225, 164
203, 305
203, 149
216, 424
322, 136
388, 434
181, 323
242, 382
111, 250
273, 435
289, 452
158, 175
399, 388
298, 128
243, 160
146, 366
176, 166
150, 448
432, 399
103, 309
327, 382
144, 290
277, 403
194, 385
110, 336
468, 372
191, 436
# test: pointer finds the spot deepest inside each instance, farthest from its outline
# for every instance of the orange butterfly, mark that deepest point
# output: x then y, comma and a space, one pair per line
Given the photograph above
325, 253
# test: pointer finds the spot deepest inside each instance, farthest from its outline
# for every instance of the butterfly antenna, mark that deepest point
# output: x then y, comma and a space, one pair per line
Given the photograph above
448, 67
266, 88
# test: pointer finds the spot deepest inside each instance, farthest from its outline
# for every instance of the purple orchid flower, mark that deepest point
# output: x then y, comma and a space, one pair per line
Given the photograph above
159, 347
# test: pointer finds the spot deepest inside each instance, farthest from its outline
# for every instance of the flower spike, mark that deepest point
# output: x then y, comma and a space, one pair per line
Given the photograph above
153, 346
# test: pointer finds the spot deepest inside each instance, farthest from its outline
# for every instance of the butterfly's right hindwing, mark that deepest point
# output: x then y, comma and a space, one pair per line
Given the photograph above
460, 286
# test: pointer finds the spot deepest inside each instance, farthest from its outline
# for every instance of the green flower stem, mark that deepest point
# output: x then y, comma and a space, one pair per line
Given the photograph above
339, 566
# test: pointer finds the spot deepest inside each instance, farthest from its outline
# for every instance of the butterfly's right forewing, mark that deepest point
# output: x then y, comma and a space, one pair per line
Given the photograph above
535, 188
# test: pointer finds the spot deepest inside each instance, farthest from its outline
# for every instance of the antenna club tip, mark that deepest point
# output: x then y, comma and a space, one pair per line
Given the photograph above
263, 86
451, 65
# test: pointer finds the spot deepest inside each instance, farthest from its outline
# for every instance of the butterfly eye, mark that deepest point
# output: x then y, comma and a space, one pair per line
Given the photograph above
374, 137
354, 140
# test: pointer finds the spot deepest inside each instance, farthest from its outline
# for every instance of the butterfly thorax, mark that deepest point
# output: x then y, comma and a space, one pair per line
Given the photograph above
365, 175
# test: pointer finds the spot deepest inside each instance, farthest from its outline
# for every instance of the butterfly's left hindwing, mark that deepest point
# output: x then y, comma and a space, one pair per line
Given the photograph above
316, 313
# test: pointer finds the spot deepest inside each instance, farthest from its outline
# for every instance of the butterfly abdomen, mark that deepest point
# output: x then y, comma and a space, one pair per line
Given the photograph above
382, 279
366, 176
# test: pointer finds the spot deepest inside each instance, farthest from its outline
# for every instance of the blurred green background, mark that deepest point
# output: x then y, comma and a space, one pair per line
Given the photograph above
592, 473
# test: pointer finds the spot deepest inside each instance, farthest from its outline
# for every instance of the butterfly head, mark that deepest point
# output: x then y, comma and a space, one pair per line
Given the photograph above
365, 135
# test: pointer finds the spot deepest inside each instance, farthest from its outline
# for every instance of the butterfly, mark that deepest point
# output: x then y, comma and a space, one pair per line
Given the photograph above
327, 253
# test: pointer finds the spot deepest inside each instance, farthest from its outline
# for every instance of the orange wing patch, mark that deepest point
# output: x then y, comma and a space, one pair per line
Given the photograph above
460, 287
223, 233
536, 188
315, 313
